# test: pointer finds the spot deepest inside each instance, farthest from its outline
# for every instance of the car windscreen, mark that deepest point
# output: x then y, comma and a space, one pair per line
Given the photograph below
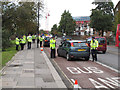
77, 44
101, 40
47, 38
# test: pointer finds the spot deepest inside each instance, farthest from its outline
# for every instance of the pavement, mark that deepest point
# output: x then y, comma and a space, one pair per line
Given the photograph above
30, 69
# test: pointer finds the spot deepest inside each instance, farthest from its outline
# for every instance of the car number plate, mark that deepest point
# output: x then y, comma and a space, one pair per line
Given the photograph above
68, 39
81, 49
100, 45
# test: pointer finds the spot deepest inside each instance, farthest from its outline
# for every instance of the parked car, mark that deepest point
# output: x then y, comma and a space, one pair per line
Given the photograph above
46, 41
64, 38
74, 49
102, 43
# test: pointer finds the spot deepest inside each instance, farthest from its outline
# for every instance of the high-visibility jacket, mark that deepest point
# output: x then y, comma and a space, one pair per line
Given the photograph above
37, 37
22, 41
29, 38
24, 37
33, 36
94, 45
17, 41
40, 38
52, 43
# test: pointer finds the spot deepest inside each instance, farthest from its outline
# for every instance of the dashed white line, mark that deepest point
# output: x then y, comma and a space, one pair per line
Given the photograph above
107, 66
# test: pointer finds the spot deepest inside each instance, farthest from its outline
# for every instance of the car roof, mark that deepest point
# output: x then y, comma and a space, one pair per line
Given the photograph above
76, 41
96, 37
66, 37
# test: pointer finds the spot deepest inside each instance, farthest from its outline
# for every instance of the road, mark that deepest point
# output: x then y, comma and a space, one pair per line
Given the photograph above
89, 74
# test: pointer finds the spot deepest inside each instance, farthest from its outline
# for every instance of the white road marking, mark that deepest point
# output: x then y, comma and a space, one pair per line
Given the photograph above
87, 70
107, 66
97, 84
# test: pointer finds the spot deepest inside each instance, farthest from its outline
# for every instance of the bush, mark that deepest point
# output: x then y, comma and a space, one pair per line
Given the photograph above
5, 40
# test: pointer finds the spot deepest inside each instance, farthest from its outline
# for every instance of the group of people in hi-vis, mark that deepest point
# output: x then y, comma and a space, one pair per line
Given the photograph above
28, 39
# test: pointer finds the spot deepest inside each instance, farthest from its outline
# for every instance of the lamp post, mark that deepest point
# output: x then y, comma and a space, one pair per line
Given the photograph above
38, 17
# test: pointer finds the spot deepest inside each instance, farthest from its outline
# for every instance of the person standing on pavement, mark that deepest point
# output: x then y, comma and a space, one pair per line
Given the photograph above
29, 39
94, 46
52, 47
41, 40
24, 37
33, 38
22, 43
17, 42
37, 37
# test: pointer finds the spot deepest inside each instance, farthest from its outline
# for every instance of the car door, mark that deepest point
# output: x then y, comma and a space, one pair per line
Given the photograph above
60, 49
66, 48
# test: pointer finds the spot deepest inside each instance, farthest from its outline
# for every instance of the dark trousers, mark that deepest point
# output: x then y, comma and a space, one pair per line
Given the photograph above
52, 53
94, 54
37, 43
17, 47
40, 43
22, 46
33, 40
29, 45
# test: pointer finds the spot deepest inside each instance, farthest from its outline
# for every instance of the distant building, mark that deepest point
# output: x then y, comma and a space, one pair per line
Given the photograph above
117, 7
82, 25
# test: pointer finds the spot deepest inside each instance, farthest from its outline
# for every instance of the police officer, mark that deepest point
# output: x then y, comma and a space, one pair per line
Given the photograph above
22, 43
41, 40
33, 38
29, 39
24, 37
17, 42
52, 47
94, 46
37, 37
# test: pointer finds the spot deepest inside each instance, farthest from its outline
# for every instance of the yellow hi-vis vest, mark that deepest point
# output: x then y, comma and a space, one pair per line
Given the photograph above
24, 37
17, 41
33, 36
94, 45
29, 38
22, 41
52, 43
40, 38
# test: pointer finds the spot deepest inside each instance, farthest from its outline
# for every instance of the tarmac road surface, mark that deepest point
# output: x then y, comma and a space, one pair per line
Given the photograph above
88, 74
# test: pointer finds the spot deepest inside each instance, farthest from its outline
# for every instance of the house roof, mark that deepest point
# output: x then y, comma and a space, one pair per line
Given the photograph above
118, 4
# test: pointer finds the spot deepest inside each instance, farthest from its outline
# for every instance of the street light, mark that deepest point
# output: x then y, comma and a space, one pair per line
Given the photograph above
38, 17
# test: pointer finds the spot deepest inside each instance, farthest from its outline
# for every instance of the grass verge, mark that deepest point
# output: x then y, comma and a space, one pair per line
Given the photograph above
8, 54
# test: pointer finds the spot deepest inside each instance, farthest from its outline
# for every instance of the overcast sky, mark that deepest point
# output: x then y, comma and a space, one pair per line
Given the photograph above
56, 7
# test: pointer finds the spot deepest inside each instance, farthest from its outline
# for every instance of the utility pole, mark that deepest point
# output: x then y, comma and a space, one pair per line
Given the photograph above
38, 16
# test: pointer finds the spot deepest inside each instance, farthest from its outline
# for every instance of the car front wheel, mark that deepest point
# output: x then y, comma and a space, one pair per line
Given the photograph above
68, 57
